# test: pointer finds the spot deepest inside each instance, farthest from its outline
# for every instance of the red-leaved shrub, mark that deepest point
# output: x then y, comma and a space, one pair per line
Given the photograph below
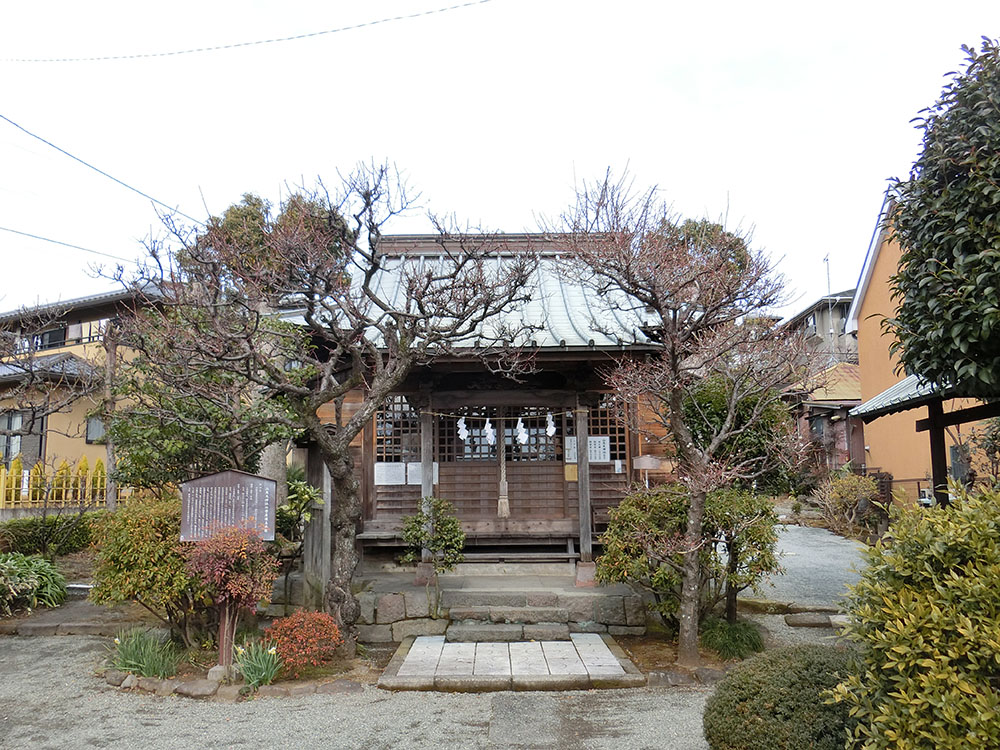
305, 639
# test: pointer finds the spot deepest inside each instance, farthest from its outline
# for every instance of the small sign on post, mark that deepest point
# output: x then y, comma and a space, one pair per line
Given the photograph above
229, 498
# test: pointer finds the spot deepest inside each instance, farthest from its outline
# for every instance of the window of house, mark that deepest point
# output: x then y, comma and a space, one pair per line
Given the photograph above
53, 338
95, 430
10, 445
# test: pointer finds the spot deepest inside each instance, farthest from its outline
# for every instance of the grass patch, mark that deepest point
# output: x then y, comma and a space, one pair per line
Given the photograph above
142, 652
736, 641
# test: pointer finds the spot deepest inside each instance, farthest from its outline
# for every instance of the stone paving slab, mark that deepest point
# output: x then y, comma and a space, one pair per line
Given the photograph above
589, 660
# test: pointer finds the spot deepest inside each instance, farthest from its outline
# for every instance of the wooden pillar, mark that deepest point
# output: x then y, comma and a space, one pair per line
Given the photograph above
426, 466
317, 544
583, 483
939, 460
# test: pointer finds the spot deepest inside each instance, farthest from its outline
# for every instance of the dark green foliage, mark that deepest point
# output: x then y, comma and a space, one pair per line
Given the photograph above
947, 221
775, 701
50, 535
759, 433
143, 653
731, 641
29, 581
926, 618
435, 528
644, 543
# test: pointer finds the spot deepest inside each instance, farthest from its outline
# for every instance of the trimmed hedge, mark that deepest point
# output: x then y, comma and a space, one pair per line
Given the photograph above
50, 535
776, 701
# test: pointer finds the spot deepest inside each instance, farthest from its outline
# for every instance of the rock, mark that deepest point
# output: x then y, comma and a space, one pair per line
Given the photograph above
340, 686
709, 676
129, 682
114, 677
425, 626
586, 573
580, 607
528, 614
219, 673
417, 604
484, 632
228, 693
588, 626
541, 599
635, 611
670, 678
390, 608
374, 633
295, 689
272, 691
808, 620
167, 687
149, 684
197, 688
610, 610
366, 600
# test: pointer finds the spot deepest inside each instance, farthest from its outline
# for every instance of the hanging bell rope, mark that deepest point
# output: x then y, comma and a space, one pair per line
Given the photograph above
503, 502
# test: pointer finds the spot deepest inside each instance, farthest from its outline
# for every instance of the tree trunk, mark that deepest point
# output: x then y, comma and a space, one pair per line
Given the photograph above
345, 512
732, 568
687, 645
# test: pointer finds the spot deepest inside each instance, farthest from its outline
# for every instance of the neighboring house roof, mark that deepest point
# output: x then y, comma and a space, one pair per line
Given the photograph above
865, 279
908, 393
49, 367
67, 306
839, 383
830, 299
562, 313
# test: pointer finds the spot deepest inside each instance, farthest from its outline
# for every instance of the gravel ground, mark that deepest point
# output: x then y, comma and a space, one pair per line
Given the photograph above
818, 564
49, 698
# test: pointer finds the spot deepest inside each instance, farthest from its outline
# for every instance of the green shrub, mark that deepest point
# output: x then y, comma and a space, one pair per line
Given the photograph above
50, 535
258, 662
143, 653
926, 616
775, 701
140, 558
29, 581
731, 640
435, 528
850, 503
643, 544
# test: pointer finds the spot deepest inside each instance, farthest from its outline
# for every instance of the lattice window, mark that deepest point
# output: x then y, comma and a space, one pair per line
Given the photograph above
397, 432
475, 447
540, 446
607, 419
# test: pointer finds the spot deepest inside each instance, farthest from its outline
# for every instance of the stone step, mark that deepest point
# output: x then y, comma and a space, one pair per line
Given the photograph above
483, 632
473, 598
513, 615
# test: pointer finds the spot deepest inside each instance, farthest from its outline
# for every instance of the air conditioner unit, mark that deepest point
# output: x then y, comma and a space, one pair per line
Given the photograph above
927, 498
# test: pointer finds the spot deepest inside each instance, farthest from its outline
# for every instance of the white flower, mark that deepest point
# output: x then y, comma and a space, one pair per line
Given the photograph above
273, 650
117, 642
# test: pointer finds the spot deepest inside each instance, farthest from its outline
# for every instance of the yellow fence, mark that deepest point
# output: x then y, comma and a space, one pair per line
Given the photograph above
65, 487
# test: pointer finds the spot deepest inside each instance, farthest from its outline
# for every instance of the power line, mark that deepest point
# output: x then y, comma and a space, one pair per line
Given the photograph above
236, 45
171, 209
65, 244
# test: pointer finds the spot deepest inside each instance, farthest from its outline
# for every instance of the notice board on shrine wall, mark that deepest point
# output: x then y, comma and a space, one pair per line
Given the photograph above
229, 498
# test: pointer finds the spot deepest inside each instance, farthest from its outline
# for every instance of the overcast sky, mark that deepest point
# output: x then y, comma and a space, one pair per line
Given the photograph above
787, 118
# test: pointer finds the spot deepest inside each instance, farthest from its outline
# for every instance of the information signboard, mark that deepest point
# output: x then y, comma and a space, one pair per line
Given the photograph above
229, 498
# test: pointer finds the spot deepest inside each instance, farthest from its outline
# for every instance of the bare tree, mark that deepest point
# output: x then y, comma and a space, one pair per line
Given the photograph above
705, 293
305, 307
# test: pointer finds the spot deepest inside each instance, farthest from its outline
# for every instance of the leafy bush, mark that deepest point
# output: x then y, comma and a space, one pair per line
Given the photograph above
305, 639
435, 528
644, 541
926, 616
27, 581
731, 640
50, 535
143, 653
237, 571
775, 701
258, 662
850, 502
140, 558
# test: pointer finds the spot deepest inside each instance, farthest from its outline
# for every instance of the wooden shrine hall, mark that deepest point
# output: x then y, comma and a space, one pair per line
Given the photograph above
507, 454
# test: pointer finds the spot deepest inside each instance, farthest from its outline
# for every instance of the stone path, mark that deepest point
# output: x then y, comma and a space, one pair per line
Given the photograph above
586, 661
